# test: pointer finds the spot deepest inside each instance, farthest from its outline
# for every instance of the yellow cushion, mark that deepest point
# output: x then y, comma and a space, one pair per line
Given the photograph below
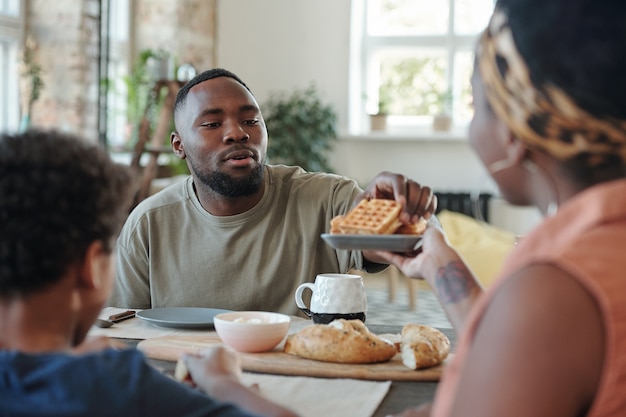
483, 247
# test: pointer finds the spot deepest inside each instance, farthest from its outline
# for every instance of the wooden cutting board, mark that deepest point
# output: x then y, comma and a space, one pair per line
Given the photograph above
277, 362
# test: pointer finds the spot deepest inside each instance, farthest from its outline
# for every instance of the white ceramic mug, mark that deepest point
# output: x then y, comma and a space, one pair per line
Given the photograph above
334, 296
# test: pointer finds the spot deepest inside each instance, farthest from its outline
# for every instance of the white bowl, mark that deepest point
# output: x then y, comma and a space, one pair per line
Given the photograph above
251, 331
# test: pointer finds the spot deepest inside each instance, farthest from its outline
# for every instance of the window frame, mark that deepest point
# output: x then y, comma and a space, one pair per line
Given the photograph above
11, 41
115, 66
365, 98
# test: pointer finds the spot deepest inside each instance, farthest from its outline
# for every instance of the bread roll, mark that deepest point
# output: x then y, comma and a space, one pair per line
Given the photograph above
393, 338
341, 341
423, 346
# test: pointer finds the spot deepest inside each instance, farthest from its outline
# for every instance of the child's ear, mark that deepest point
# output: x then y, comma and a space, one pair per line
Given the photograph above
90, 271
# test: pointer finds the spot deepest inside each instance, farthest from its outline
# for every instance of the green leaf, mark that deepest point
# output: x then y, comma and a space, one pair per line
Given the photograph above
302, 129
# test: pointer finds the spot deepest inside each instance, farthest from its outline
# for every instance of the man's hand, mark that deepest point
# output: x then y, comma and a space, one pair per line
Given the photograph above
417, 200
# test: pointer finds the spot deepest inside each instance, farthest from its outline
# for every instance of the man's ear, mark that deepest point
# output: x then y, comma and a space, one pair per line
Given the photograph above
91, 268
177, 145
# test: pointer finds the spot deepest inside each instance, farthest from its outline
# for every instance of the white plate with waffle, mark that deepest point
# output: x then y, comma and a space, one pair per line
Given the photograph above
375, 225
392, 243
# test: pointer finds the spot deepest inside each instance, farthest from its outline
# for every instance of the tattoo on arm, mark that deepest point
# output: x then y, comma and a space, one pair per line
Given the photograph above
453, 282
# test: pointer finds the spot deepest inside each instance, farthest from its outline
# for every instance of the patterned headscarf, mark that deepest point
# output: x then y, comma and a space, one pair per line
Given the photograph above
544, 117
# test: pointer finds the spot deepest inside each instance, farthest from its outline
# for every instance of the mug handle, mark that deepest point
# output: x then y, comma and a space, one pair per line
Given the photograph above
298, 297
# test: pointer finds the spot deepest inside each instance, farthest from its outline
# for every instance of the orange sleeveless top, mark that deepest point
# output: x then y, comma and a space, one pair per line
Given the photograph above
586, 238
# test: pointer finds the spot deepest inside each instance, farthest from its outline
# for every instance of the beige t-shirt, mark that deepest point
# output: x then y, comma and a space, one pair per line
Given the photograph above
171, 252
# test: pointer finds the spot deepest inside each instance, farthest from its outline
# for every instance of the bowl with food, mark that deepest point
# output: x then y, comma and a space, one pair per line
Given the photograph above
252, 331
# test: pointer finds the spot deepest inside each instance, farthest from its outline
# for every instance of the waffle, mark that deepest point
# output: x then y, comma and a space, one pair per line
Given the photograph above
413, 228
373, 217
335, 224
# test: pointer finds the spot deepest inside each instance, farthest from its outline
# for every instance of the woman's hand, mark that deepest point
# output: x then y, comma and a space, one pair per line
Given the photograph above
434, 253
440, 265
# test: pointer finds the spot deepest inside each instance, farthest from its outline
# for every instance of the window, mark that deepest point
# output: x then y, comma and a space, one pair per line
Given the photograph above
10, 35
115, 52
416, 58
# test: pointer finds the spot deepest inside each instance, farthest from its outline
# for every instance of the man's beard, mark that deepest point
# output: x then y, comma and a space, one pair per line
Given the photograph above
231, 187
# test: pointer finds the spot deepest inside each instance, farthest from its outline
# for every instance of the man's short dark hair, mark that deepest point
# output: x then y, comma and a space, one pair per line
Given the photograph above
200, 78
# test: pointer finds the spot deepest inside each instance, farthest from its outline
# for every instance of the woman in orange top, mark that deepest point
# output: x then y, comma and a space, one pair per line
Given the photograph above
548, 337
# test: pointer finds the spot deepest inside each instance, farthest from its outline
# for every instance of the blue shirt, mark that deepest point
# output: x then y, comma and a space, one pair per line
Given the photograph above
107, 383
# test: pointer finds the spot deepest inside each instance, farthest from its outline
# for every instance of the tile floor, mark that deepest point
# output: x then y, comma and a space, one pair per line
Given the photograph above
381, 311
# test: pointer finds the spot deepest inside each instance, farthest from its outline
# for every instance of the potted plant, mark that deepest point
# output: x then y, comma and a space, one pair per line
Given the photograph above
301, 129
31, 82
139, 83
442, 120
138, 92
378, 121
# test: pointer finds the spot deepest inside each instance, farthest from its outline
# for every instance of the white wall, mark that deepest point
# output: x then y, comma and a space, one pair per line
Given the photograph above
444, 164
279, 45
285, 44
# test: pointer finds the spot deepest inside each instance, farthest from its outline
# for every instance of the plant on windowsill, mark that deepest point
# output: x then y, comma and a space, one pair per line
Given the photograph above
301, 129
31, 82
442, 120
378, 121
143, 109
139, 87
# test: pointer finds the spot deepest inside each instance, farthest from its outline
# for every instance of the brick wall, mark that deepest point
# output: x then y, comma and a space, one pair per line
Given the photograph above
185, 29
66, 32
67, 35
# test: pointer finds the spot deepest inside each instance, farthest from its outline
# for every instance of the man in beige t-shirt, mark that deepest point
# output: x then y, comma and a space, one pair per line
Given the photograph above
239, 234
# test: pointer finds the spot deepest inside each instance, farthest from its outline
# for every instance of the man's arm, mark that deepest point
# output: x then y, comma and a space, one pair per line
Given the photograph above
132, 288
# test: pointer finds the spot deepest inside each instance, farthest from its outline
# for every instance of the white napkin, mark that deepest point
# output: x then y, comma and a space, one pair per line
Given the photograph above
314, 397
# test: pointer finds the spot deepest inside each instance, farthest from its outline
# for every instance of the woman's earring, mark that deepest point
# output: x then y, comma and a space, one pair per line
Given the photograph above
498, 166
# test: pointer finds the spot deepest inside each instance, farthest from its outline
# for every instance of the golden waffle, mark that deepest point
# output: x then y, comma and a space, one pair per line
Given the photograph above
335, 224
412, 228
373, 217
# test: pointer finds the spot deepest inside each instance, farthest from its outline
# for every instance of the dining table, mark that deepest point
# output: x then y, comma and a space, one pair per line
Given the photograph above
401, 394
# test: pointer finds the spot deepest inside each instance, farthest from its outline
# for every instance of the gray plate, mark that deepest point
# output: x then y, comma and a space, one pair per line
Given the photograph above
181, 317
392, 243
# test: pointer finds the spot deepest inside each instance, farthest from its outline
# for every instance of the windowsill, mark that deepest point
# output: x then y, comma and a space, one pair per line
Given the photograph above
415, 134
